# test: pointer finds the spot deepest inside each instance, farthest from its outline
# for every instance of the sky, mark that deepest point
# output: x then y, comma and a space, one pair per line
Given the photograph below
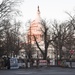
50, 9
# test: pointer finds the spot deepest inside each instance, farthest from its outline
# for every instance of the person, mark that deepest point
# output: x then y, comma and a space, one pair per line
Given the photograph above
28, 61
8, 63
1, 63
48, 61
32, 62
5, 62
70, 61
37, 62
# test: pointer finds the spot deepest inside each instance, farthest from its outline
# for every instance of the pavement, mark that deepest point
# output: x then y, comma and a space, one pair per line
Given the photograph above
40, 71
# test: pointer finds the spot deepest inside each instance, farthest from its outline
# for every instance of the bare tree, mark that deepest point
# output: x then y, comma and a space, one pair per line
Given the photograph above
29, 51
7, 10
10, 37
46, 38
7, 7
28, 47
61, 36
71, 40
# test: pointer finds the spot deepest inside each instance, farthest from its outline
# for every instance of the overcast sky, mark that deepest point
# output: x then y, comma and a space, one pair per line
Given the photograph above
50, 9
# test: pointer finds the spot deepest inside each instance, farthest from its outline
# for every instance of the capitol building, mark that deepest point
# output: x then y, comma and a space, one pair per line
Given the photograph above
35, 30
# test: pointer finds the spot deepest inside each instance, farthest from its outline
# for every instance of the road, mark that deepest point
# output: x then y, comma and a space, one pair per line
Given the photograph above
40, 71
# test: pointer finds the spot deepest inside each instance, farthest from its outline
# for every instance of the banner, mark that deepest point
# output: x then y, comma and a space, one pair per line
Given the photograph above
14, 63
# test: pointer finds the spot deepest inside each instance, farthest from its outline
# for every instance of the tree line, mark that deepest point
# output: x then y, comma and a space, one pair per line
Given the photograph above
9, 27
59, 35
